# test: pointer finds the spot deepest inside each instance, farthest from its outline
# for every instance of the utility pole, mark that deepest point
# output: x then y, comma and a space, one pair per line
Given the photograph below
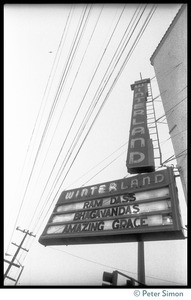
22, 267
11, 263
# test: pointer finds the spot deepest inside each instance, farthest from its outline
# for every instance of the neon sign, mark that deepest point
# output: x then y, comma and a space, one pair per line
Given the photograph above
141, 206
140, 156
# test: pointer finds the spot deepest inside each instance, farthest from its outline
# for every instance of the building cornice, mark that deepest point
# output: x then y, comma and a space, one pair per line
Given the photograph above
184, 6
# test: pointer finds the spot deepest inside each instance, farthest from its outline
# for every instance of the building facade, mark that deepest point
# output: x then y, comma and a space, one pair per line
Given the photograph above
170, 64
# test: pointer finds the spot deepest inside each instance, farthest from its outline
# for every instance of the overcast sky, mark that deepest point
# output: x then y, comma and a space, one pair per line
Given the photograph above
53, 63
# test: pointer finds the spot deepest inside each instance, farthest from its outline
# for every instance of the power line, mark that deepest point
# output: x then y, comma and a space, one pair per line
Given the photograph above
104, 79
36, 123
72, 52
95, 118
84, 138
46, 88
166, 72
77, 134
143, 29
128, 56
76, 154
173, 136
172, 157
81, 105
84, 122
97, 165
114, 268
75, 39
151, 12
75, 118
44, 133
164, 115
105, 167
66, 102
172, 108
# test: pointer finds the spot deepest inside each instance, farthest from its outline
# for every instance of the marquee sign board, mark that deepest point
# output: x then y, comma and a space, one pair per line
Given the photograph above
142, 207
140, 156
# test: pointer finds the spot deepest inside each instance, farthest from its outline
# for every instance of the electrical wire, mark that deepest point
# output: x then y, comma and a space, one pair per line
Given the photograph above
70, 127
129, 54
174, 135
65, 105
84, 98
172, 108
74, 158
114, 268
143, 29
76, 41
104, 168
145, 23
37, 121
78, 134
72, 53
42, 138
101, 162
110, 267
71, 12
172, 157
98, 113
154, 99
84, 139
99, 263
166, 72
22, 253
164, 115
48, 85
105, 80
67, 67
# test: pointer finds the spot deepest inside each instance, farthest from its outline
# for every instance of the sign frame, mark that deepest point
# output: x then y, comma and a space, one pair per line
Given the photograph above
166, 232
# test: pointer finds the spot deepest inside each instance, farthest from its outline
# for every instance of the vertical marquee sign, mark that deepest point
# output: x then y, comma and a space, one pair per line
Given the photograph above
142, 207
140, 156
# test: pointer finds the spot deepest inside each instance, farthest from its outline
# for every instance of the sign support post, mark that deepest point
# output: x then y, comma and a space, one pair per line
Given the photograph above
141, 262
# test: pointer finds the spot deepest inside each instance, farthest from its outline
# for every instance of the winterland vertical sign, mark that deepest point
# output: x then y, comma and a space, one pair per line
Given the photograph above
140, 156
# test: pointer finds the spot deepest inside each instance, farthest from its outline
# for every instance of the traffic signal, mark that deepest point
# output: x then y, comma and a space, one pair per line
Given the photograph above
130, 282
111, 278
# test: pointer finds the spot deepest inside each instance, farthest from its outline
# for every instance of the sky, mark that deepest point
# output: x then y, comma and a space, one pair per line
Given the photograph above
55, 70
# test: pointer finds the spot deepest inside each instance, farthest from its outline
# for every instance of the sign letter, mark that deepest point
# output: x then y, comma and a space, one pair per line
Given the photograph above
132, 159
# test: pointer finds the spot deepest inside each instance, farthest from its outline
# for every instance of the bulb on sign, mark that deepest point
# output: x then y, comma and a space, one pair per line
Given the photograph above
154, 220
63, 218
55, 229
156, 193
154, 206
167, 220
68, 207
159, 220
